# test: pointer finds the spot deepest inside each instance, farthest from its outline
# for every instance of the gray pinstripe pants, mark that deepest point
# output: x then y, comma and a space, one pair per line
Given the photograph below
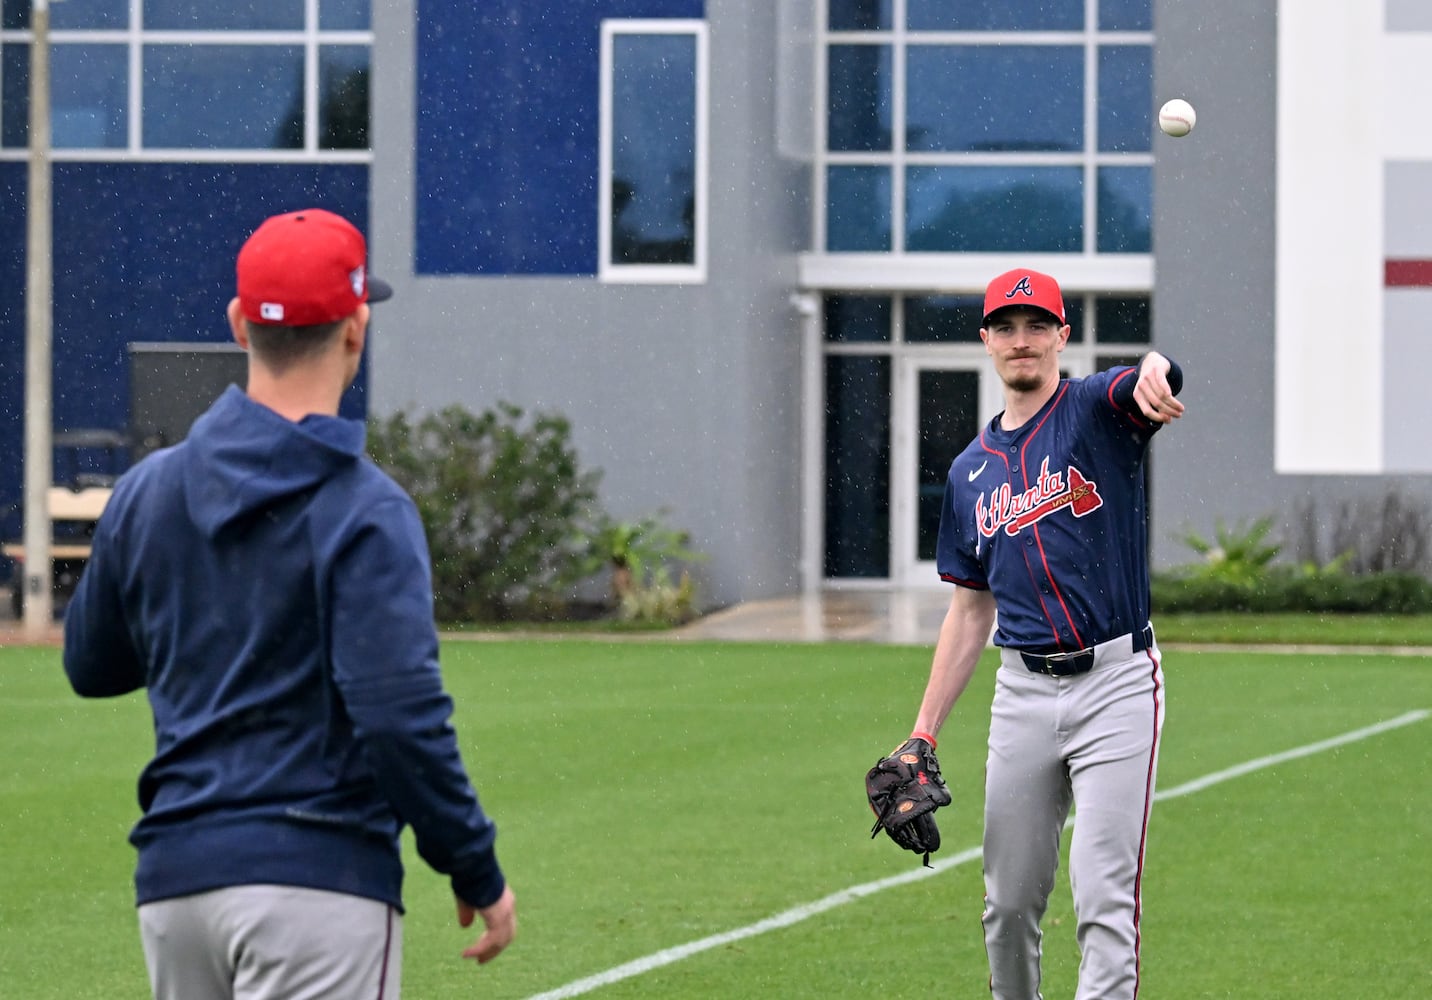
265, 942
1090, 741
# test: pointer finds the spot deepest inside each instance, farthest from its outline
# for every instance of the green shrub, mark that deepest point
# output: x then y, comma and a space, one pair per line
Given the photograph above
1238, 571
509, 513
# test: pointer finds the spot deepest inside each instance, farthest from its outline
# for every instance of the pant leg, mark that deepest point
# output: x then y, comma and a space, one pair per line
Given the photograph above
1113, 763
1027, 797
185, 959
265, 942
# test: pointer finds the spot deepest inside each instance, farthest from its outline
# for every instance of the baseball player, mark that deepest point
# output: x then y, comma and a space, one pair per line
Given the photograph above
270, 589
1043, 531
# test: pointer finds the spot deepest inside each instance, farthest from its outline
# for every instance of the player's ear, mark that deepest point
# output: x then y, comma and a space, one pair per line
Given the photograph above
236, 324
1064, 332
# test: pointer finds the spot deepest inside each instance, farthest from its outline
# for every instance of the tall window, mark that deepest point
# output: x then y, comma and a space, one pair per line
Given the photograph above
987, 126
186, 79
652, 221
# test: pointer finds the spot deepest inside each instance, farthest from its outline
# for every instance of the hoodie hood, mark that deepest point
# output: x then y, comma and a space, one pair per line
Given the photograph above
241, 457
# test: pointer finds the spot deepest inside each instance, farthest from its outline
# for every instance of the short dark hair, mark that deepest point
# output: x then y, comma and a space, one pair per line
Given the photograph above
281, 347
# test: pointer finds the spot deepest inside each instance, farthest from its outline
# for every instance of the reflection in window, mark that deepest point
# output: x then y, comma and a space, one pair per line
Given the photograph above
653, 149
994, 209
223, 96
84, 14
1126, 15
220, 76
859, 117
857, 466
1126, 93
1006, 15
943, 319
87, 96
1123, 321
851, 319
973, 98
343, 97
206, 15
857, 209
1126, 197
860, 15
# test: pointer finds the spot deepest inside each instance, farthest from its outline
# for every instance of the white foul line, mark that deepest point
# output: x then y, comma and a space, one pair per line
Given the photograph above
795, 915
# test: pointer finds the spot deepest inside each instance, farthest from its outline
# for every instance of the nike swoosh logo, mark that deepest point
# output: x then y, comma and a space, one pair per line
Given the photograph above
975, 475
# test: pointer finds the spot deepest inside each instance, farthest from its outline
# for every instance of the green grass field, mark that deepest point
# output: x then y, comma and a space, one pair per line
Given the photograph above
655, 793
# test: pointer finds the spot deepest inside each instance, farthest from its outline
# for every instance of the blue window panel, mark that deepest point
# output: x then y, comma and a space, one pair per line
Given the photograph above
223, 96
994, 209
861, 15
1124, 321
343, 96
1126, 198
207, 15
949, 319
1126, 98
857, 466
1126, 15
970, 98
856, 319
342, 15
90, 14
995, 15
654, 149
506, 135
14, 95
857, 209
858, 115
88, 88
89, 85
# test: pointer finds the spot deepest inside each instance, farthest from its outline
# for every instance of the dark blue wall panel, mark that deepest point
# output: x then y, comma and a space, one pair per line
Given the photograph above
143, 252
507, 131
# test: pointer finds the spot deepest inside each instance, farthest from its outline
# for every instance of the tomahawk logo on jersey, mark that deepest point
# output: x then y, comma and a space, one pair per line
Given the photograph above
1058, 501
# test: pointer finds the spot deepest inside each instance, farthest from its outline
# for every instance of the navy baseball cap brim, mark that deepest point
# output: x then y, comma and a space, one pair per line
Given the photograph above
379, 290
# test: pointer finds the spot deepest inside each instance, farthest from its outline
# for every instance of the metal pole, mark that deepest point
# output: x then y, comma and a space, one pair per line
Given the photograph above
39, 374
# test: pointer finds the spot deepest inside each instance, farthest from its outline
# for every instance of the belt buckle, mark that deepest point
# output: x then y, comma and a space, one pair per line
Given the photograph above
1056, 662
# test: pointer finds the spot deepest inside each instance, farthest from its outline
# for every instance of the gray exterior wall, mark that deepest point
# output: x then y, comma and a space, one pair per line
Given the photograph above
1215, 247
686, 397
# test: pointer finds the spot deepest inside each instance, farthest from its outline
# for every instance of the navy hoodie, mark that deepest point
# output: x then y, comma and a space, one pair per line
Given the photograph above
270, 588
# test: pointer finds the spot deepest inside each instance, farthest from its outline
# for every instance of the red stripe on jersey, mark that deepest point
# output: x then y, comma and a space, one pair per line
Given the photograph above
1407, 273
1038, 541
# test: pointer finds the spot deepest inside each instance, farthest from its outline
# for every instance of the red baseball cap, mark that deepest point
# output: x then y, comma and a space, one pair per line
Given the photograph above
1023, 287
305, 268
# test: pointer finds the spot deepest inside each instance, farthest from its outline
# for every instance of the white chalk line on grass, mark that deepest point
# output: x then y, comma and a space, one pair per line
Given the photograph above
797, 914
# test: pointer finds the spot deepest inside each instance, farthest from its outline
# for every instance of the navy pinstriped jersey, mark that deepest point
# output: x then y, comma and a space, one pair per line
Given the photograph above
1051, 517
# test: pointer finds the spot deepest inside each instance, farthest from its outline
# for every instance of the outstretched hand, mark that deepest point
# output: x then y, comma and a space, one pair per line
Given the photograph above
1152, 391
500, 920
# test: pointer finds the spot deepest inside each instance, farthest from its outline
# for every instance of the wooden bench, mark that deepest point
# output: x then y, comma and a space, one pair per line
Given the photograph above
65, 505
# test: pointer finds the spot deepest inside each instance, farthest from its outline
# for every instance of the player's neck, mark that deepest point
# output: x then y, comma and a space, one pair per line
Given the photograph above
1022, 404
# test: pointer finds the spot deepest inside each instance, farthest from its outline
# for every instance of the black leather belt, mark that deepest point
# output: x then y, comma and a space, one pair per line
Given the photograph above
1080, 661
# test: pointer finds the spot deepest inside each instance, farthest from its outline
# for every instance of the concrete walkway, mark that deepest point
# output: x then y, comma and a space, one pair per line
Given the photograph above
901, 617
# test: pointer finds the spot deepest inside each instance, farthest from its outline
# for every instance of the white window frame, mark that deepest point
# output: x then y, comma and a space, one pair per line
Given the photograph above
607, 270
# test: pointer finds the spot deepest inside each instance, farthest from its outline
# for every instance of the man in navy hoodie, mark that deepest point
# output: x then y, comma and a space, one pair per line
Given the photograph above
270, 588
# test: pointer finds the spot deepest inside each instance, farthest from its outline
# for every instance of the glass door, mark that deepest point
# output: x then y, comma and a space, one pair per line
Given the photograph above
941, 405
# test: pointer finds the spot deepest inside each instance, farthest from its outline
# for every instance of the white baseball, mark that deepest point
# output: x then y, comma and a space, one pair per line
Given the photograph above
1177, 117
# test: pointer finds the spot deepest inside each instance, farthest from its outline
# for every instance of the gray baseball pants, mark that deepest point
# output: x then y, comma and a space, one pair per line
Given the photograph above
1090, 741
265, 942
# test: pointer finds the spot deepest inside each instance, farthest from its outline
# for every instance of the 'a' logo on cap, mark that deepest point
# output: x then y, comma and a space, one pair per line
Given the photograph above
1020, 286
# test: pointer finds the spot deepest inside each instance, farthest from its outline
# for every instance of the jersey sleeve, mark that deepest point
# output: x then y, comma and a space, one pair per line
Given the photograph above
957, 549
